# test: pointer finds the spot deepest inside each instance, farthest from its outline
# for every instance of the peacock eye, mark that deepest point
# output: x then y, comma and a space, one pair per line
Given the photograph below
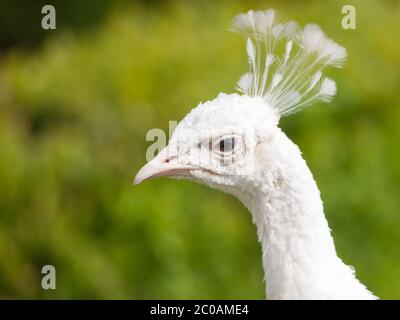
227, 144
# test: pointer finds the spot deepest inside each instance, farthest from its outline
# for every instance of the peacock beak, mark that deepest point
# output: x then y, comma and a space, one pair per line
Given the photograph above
165, 164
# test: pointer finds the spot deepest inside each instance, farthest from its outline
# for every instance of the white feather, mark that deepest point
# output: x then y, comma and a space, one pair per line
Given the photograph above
328, 90
275, 80
291, 29
287, 79
277, 30
251, 52
244, 84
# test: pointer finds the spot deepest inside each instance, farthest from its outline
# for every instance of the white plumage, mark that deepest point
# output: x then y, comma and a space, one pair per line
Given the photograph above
233, 143
286, 61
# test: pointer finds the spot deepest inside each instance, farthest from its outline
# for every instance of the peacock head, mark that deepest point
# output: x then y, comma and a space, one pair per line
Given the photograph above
216, 143
229, 142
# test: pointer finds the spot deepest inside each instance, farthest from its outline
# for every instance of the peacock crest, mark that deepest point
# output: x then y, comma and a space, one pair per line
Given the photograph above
286, 61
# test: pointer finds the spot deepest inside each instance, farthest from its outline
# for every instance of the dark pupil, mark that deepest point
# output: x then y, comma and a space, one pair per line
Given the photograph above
226, 144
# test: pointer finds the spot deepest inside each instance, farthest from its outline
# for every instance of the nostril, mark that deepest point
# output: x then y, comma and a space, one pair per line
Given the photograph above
169, 159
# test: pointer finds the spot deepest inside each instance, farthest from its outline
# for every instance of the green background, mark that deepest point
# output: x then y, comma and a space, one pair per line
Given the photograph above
76, 104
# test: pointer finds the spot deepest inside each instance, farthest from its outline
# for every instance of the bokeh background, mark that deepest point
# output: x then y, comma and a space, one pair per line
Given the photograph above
76, 104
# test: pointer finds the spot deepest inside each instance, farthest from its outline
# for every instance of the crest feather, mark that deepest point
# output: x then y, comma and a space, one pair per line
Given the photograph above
286, 62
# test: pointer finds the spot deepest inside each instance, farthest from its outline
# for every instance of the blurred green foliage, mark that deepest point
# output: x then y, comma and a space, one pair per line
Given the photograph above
74, 113
20, 21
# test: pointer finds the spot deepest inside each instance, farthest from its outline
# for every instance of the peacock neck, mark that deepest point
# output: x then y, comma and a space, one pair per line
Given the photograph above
298, 252
295, 239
